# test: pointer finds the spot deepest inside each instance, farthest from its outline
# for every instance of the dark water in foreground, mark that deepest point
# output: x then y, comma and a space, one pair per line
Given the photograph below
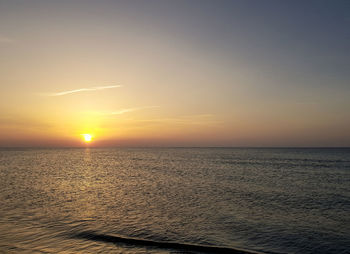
134, 200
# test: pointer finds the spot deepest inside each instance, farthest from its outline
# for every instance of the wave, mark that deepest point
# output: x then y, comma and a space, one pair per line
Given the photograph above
94, 236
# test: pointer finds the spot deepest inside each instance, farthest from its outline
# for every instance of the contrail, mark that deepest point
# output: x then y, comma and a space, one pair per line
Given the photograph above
82, 90
122, 111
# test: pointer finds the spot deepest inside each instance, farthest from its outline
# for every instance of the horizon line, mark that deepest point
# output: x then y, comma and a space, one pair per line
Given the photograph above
235, 147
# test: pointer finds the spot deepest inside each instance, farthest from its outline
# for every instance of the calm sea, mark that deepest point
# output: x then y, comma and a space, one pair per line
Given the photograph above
174, 200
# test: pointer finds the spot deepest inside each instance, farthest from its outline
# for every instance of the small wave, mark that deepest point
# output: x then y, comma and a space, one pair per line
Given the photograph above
90, 235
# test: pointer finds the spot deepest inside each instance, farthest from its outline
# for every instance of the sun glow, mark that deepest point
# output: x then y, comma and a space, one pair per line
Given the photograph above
87, 137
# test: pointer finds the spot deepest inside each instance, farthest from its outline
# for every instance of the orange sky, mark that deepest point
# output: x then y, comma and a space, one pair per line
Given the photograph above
172, 74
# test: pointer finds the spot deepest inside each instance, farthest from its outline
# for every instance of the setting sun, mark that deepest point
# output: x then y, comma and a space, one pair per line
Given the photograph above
87, 137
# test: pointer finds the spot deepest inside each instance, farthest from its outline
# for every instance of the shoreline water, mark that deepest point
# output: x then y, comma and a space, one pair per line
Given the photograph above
89, 235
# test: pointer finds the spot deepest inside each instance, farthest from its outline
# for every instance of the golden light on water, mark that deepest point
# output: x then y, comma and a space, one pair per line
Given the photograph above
87, 137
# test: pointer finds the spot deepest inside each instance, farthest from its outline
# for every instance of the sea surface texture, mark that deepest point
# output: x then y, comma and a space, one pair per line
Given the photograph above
174, 200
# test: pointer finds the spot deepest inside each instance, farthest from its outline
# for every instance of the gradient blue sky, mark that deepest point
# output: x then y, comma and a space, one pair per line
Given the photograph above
197, 73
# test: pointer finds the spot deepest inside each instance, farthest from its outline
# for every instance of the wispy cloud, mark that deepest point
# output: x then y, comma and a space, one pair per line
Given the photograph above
95, 88
126, 110
5, 40
189, 119
20, 122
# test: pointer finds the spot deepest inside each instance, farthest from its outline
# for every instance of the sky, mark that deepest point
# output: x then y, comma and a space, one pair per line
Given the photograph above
175, 73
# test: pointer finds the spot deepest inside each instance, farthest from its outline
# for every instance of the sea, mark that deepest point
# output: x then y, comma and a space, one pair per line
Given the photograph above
175, 200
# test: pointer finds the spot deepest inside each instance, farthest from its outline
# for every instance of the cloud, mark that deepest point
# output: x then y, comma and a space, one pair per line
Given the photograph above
122, 111
23, 122
5, 40
96, 88
186, 120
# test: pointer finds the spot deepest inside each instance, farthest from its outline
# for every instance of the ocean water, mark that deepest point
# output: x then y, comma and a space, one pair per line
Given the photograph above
174, 200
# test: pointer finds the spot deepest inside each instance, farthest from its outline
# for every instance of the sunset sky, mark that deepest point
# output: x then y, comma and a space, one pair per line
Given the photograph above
175, 73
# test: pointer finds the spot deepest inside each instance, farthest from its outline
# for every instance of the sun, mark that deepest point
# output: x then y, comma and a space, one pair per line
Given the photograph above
87, 137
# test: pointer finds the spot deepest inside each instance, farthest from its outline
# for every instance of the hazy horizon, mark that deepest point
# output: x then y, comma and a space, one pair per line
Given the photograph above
174, 73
